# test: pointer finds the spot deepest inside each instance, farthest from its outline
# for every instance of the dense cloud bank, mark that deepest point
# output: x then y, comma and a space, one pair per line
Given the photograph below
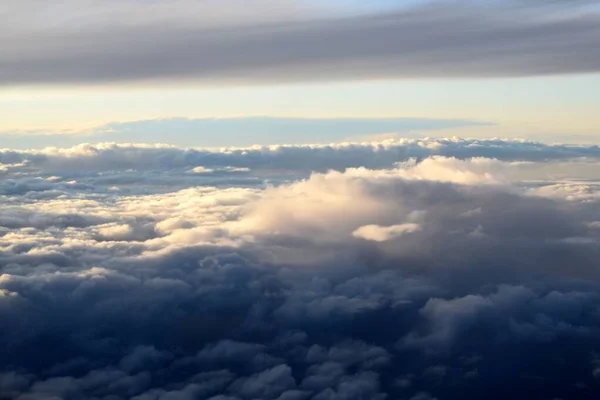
445, 269
296, 158
228, 41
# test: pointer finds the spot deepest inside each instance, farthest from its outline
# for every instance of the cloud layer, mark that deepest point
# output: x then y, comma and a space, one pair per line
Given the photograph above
109, 42
436, 272
109, 157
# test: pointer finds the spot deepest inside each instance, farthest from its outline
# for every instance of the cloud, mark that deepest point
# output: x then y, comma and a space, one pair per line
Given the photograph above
194, 41
384, 233
219, 132
125, 160
176, 288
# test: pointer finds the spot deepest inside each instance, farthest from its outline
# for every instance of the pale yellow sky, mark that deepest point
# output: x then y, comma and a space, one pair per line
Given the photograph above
548, 105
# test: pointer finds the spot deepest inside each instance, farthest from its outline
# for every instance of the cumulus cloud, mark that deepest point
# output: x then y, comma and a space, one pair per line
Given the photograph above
68, 43
432, 272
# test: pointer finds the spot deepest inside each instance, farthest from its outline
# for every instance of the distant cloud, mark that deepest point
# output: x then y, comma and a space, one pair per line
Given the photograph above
129, 159
439, 39
242, 131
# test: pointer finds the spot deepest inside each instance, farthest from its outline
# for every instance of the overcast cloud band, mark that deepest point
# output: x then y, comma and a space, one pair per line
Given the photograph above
461, 40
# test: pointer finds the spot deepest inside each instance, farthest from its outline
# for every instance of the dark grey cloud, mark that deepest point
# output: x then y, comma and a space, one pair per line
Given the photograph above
230, 292
439, 39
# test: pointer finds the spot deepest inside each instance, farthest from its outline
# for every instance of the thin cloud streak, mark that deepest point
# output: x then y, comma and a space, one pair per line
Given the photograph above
242, 131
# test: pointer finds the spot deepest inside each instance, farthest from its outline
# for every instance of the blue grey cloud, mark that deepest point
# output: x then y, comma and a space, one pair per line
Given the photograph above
438, 39
106, 157
174, 288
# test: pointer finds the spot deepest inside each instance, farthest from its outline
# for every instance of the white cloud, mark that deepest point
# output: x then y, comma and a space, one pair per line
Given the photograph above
202, 170
385, 233
115, 231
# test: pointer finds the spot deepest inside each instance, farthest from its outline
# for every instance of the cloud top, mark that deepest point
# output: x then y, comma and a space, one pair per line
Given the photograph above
424, 276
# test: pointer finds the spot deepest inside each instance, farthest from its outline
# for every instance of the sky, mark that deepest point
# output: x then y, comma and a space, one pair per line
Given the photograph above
299, 200
515, 68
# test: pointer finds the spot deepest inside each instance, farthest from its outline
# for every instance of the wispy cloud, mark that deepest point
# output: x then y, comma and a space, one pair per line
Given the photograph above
243, 131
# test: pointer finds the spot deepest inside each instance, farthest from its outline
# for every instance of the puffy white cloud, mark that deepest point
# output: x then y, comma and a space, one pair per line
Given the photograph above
384, 233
